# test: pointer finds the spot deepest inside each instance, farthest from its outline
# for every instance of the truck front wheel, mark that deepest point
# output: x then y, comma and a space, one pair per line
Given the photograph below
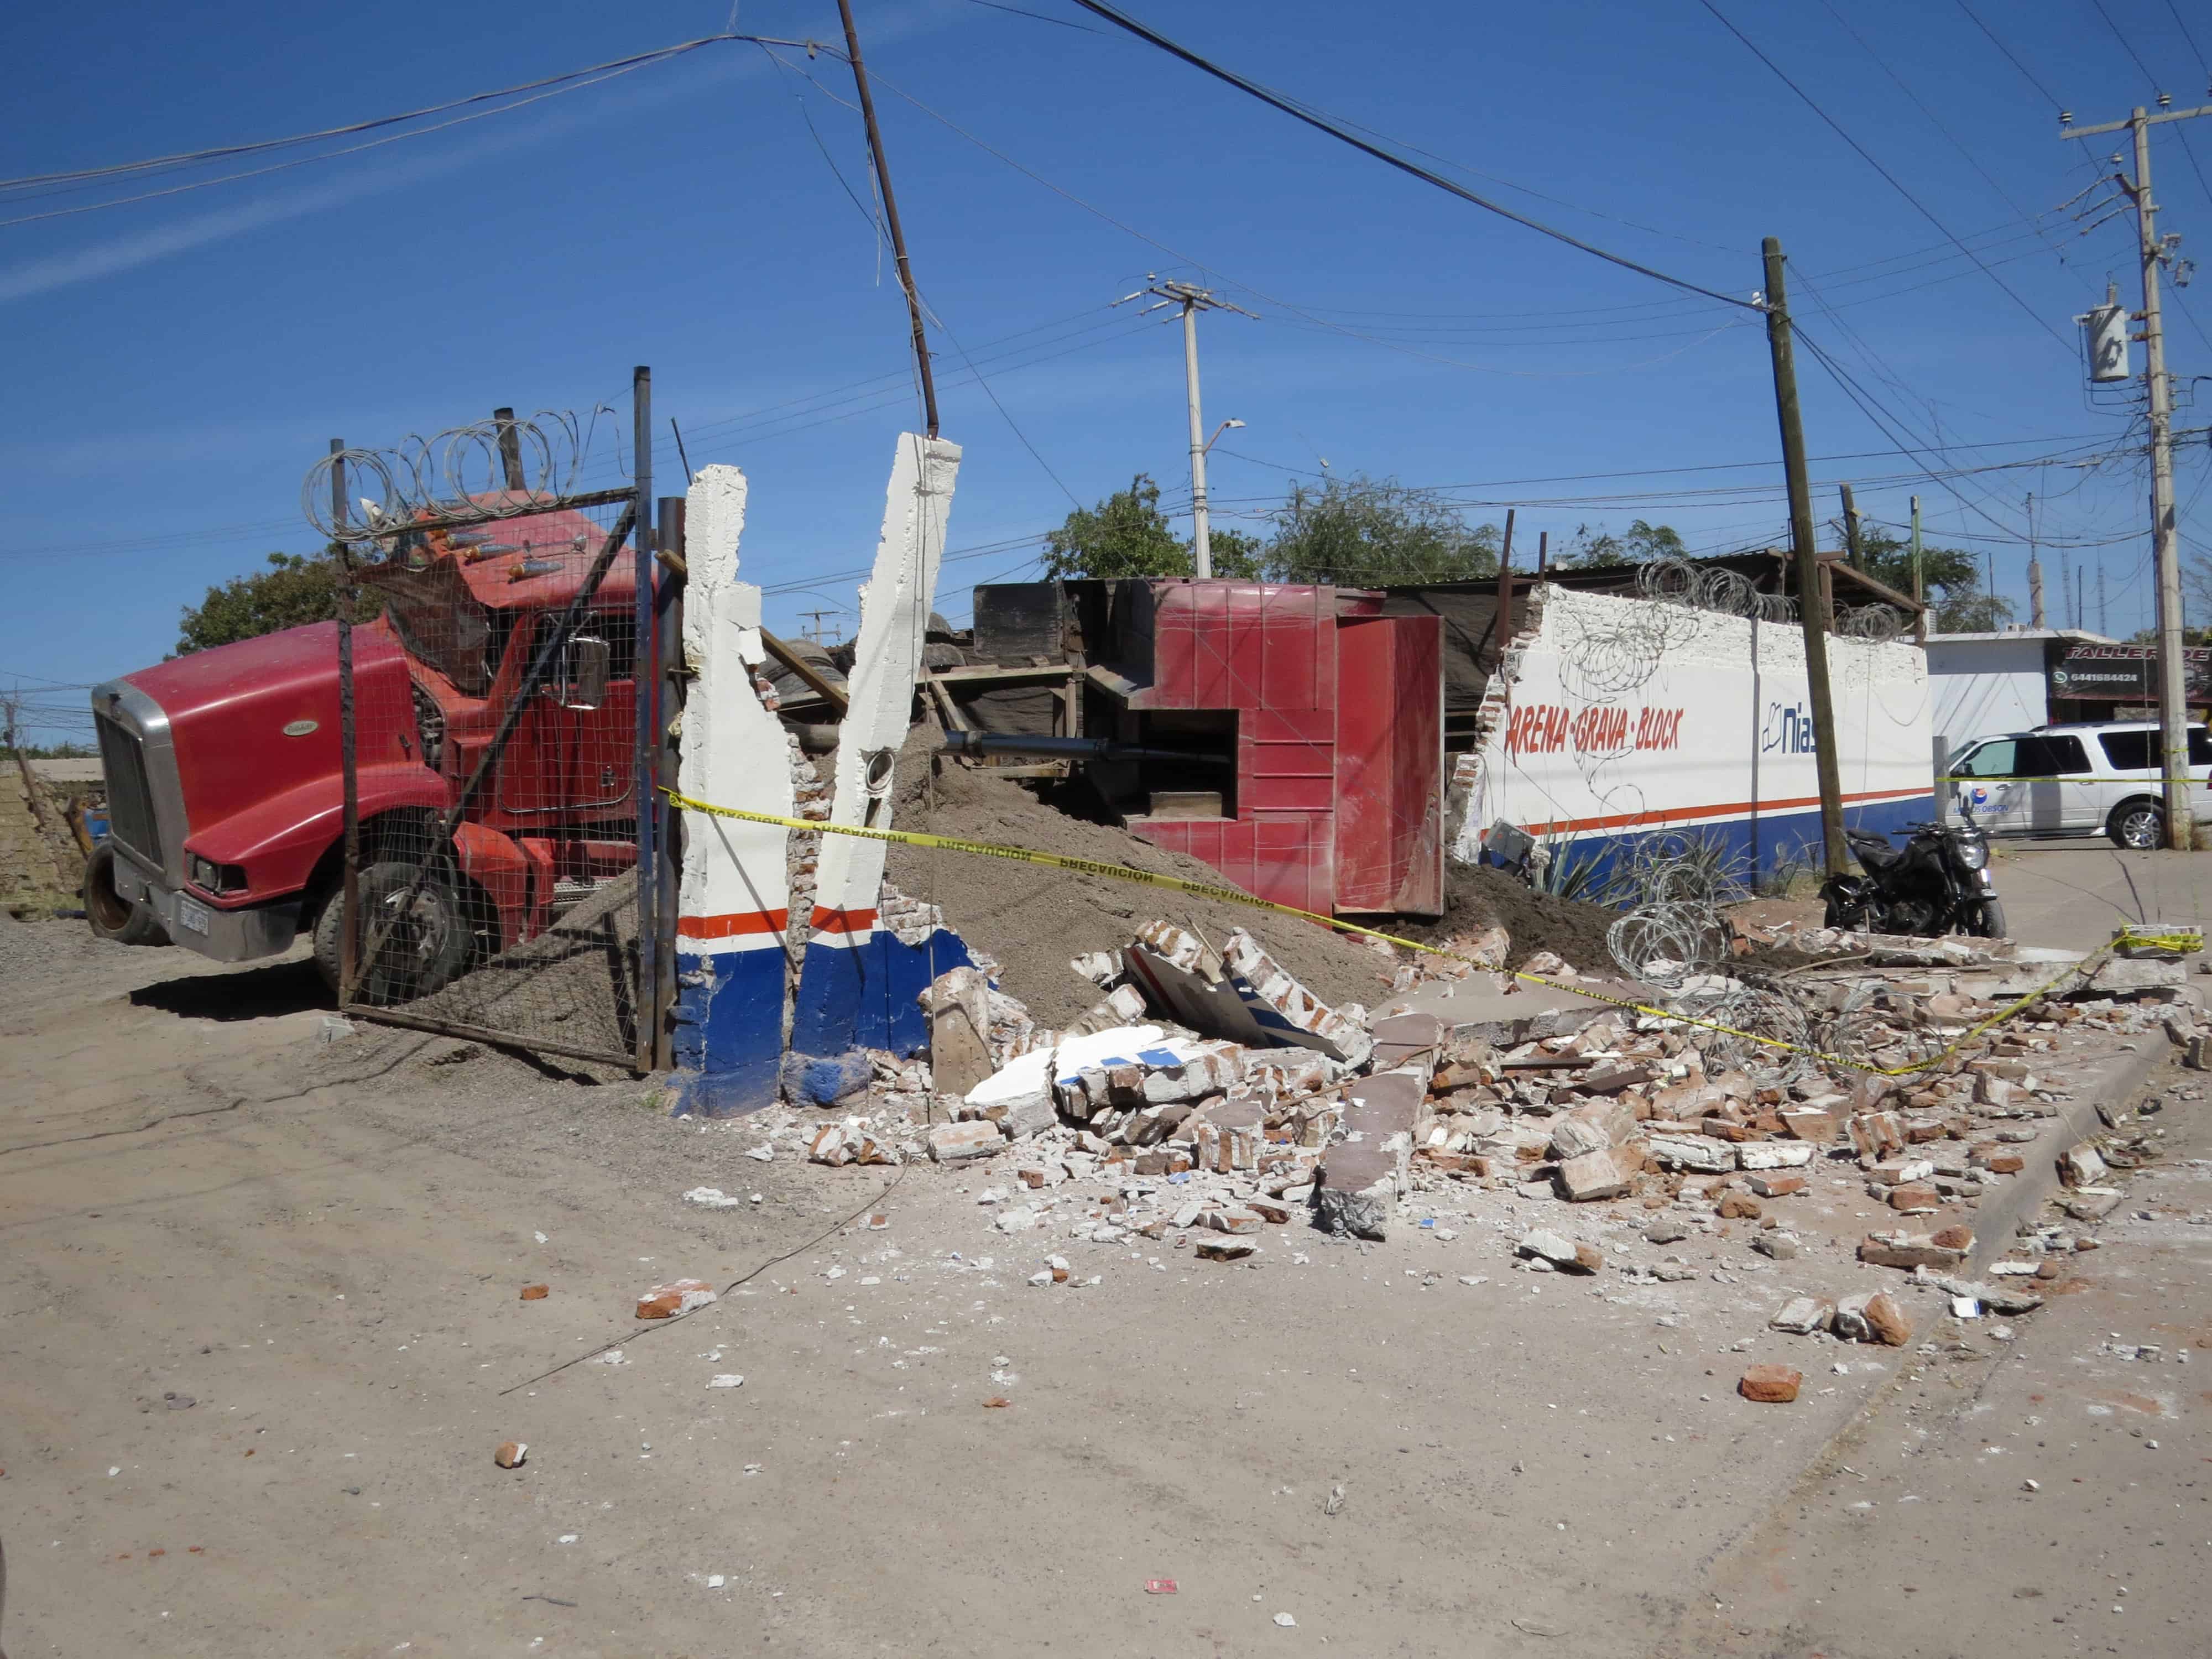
426, 934
113, 917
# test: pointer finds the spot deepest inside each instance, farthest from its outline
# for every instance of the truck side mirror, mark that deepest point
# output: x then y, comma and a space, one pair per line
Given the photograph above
581, 682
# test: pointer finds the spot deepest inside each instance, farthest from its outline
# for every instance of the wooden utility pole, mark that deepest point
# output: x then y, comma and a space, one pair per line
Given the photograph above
891, 218
1812, 591
1850, 524
2173, 674
1504, 623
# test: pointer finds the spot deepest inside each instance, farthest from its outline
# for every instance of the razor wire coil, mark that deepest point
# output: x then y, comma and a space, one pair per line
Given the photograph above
460, 474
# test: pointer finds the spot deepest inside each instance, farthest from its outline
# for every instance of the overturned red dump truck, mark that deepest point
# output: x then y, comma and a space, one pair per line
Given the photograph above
225, 770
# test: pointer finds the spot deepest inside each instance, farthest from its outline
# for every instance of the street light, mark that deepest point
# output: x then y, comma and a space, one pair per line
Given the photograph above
1215, 438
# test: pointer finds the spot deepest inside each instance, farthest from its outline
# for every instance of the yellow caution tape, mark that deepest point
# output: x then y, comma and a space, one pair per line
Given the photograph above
1232, 895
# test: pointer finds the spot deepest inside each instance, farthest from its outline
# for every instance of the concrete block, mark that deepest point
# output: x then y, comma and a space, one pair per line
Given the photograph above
1816, 1127
1773, 1155
1601, 1174
955, 1143
1770, 1385
1704, 1156
958, 1005
677, 1296
1803, 1315
2081, 1166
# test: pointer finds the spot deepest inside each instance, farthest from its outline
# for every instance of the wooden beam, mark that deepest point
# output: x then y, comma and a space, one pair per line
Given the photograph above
954, 720
806, 671
1883, 591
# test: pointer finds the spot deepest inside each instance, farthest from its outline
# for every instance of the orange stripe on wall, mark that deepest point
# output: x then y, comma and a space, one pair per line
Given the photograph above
843, 921
732, 926
1626, 820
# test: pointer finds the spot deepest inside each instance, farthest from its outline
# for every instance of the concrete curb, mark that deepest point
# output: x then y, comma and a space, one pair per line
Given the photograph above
2116, 1081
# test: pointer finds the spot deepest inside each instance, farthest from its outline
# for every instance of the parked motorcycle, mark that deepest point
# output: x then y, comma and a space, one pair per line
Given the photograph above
1938, 883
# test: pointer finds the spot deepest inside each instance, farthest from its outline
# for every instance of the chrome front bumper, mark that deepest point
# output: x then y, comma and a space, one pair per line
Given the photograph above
261, 930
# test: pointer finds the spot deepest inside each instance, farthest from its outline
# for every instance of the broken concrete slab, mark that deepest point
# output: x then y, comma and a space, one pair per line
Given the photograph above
955, 1143
958, 1005
1605, 1173
1245, 996
1801, 1315
677, 1296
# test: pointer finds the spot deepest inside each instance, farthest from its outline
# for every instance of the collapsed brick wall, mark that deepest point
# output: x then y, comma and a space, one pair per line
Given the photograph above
40, 869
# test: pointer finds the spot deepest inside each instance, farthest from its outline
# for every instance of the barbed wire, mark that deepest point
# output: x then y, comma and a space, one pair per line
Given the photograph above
460, 473
1877, 624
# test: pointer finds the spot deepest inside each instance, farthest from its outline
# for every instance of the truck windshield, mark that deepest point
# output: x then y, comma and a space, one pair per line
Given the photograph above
438, 621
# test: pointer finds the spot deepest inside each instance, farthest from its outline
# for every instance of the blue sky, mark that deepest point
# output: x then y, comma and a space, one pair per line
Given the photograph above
175, 365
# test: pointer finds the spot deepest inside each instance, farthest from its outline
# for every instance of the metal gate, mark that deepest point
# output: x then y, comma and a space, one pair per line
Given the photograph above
498, 680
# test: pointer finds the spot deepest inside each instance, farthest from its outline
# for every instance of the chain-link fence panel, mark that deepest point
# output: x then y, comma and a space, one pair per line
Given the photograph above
494, 772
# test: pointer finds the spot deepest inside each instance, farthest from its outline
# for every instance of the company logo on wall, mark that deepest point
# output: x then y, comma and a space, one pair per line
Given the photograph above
1598, 729
1788, 730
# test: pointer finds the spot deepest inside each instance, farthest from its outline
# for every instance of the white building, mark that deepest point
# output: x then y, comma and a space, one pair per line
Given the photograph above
1984, 684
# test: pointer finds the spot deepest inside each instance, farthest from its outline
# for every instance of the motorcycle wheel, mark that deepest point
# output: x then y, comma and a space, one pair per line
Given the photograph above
1989, 922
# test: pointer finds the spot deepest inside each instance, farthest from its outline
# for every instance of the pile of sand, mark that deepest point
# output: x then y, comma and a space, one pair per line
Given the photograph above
1033, 919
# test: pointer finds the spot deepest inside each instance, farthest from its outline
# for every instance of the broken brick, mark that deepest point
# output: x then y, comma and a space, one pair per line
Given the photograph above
1777, 1186
677, 1296
511, 1454
1770, 1385
536, 1292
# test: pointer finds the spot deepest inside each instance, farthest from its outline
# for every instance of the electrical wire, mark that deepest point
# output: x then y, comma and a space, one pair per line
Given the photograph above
1321, 123
1934, 119
2026, 74
552, 86
1888, 177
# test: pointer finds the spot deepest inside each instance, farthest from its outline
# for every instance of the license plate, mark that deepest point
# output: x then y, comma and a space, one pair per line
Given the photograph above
192, 917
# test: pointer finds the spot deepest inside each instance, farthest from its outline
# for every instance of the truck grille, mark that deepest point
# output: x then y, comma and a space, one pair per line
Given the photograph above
130, 796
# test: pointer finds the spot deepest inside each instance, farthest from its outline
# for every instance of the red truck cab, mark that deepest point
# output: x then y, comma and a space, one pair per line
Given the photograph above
225, 772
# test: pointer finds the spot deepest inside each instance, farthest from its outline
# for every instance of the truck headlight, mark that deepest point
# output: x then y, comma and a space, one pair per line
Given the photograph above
213, 878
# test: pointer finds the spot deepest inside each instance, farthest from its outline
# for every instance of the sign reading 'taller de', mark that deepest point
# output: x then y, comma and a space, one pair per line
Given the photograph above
2123, 673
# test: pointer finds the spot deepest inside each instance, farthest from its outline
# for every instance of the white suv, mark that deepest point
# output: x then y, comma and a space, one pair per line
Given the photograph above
2087, 780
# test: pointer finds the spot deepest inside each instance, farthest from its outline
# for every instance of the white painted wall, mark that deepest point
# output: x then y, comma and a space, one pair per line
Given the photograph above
1982, 687
733, 749
895, 606
1622, 715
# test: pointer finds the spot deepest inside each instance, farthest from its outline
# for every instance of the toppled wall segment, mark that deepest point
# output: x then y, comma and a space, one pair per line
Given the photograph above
734, 893
1243, 994
859, 983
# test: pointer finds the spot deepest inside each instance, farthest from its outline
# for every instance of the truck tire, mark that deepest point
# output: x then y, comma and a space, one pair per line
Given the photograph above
113, 917
2138, 824
422, 953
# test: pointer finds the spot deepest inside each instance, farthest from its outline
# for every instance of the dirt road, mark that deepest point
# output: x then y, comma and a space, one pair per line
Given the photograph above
2046, 1495
253, 1364
260, 1335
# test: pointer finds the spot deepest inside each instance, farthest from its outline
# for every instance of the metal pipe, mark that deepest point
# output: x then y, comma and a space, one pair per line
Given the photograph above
1054, 748
645, 699
350, 878
669, 638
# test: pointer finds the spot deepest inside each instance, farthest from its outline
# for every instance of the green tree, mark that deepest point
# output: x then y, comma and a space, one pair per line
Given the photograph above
1365, 533
1951, 580
1641, 543
1127, 535
295, 589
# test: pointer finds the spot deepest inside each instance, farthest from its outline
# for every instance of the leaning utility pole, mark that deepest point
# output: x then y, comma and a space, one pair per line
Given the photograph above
1811, 594
2172, 687
2034, 570
1192, 301
891, 219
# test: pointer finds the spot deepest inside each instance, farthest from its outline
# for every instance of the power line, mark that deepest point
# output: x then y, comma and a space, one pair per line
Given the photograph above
65, 182
2026, 74
1323, 124
1934, 120
1888, 177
